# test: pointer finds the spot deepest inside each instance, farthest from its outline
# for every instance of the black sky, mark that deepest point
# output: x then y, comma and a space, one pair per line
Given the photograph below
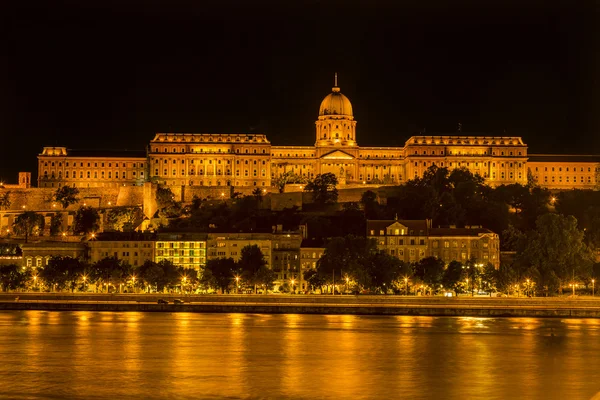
110, 74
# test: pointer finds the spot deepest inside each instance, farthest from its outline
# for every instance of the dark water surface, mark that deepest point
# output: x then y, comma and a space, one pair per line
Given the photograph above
159, 355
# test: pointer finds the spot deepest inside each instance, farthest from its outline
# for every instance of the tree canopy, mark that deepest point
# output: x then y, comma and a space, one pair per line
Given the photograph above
86, 220
29, 223
323, 188
66, 195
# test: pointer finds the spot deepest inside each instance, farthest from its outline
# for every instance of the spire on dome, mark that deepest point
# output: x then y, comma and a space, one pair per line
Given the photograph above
335, 87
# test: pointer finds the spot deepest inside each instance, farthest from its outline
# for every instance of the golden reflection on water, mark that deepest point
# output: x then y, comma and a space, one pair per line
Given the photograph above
186, 355
132, 347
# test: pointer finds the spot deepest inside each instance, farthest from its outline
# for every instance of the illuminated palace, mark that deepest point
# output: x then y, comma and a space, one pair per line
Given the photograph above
247, 160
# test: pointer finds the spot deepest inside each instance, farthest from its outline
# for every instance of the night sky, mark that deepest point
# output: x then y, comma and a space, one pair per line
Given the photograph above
110, 74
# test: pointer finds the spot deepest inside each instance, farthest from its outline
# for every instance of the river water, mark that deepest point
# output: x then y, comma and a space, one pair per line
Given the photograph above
60, 355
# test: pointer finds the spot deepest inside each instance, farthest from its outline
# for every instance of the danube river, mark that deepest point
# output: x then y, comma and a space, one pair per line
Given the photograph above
188, 356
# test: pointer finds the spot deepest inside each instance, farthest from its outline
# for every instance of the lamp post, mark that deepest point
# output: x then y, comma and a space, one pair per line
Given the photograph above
293, 282
406, 286
84, 283
467, 267
133, 283
593, 282
347, 281
237, 285
527, 288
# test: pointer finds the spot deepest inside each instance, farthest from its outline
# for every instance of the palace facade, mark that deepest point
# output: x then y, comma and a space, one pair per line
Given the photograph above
247, 160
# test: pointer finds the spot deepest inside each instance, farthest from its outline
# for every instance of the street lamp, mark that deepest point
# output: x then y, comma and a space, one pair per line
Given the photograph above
183, 282
347, 281
527, 288
133, 282
293, 282
406, 286
84, 283
593, 282
467, 285
237, 284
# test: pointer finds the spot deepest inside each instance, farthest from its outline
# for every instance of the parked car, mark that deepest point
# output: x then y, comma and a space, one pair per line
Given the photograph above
177, 301
162, 301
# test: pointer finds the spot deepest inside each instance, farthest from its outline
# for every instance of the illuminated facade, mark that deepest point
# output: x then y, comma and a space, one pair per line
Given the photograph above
248, 160
413, 240
58, 166
185, 250
133, 252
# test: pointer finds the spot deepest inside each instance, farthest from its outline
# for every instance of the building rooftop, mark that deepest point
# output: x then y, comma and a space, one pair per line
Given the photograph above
459, 231
416, 225
124, 236
106, 153
564, 158
474, 139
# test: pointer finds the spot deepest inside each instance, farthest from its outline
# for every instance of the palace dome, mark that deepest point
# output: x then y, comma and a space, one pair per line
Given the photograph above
335, 103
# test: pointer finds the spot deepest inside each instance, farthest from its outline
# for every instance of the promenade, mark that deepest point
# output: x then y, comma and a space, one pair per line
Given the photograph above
558, 307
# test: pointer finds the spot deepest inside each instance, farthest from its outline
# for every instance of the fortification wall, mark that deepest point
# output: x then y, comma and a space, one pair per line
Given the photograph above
130, 196
41, 199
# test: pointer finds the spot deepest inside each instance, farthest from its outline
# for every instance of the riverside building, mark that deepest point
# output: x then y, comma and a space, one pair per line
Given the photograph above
250, 160
413, 240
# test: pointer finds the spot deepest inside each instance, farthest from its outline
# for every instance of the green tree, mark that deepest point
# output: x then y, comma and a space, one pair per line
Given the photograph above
122, 219
489, 278
286, 178
165, 201
86, 220
512, 239
150, 274
323, 188
453, 277
218, 273
265, 278
13, 277
189, 278
556, 249
505, 278
382, 270
66, 195
250, 263
110, 271
430, 270
314, 279
350, 255
5, 200
257, 193
473, 271
61, 272
170, 276
368, 200
29, 223
56, 223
